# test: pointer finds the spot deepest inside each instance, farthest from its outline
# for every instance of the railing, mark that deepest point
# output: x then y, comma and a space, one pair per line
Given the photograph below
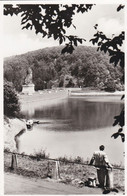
61, 170
14, 161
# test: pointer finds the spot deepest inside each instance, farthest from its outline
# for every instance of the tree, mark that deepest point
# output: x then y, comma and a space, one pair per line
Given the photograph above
11, 102
53, 20
117, 56
50, 20
94, 70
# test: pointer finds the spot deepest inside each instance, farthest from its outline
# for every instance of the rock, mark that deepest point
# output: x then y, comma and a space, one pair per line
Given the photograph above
11, 128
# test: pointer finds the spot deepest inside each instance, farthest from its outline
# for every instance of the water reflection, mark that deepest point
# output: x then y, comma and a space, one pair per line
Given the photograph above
72, 144
77, 114
74, 127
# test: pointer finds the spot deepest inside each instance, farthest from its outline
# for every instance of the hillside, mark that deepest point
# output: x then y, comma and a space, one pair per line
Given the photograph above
85, 67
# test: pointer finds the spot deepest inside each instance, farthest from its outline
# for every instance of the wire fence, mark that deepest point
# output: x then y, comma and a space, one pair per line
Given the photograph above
62, 160
69, 172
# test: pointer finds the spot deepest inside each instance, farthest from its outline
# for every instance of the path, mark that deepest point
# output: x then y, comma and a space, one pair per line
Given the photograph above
19, 185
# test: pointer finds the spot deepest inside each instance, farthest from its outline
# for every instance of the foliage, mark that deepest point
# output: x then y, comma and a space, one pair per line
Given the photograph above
16, 67
6, 150
110, 87
119, 120
113, 46
50, 20
85, 67
11, 104
53, 20
41, 155
69, 172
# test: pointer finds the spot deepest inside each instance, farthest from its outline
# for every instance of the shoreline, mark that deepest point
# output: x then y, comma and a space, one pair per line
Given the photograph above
51, 96
43, 96
31, 167
97, 93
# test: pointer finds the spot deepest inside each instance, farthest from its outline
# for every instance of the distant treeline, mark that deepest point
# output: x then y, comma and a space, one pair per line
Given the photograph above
85, 67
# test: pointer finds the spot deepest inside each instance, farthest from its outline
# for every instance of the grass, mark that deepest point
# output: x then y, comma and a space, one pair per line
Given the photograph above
75, 174
41, 155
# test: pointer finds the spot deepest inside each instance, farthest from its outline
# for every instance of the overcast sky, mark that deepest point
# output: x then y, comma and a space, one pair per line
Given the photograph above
18, 41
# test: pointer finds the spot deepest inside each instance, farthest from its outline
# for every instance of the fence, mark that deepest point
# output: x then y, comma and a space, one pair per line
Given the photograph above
56, 169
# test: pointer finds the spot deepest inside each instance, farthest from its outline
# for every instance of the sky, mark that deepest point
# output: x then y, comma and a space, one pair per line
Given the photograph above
17, 41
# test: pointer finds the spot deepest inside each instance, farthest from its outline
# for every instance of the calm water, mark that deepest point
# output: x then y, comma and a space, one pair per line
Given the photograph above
74, 127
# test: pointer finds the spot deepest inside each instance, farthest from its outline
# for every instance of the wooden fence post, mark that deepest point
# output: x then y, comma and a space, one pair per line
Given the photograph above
56, 171
14, 161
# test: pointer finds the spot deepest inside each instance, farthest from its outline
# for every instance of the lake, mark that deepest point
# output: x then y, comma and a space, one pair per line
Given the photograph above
75, 126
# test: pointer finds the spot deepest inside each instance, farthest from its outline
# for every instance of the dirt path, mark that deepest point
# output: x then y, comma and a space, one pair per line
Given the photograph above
19, 185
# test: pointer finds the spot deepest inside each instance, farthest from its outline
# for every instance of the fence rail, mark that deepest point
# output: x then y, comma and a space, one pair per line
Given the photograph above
51, 159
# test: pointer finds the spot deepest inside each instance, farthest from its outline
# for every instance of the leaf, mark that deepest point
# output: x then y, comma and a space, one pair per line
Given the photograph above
55, 36
27, 26
80, 40
74, 26
99, 43
120, 130
64, 50
63, 30
122, 62
94, 40
112, 59
96, 25
115, 135
60, 40
104, 48
123, 137
98, 48
44, 33
120, 7
116, 61
115, 123
122, 97
75, 42
111, 52
25, 18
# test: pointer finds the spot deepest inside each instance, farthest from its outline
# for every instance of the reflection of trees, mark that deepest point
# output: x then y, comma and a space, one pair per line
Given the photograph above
94, 115
54, 22
80, 115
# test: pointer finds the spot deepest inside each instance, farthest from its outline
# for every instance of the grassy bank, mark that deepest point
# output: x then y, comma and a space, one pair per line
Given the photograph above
49, 96
75, 174
43, 96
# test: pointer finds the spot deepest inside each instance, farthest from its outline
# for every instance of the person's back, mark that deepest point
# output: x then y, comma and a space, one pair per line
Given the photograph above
100, 158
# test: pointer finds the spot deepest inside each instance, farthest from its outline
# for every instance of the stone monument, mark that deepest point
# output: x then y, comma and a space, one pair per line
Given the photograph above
28, 87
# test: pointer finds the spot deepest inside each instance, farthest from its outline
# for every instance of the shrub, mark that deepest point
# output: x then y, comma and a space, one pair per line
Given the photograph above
110, 86
11, 102
78, 160
41, 155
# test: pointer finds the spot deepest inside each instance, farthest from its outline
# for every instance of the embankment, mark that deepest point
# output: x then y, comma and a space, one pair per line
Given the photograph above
11, 128
46, 96
75, 174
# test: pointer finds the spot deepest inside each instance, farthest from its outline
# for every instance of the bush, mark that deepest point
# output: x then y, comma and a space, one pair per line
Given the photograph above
110, 86
41, 155
11, 102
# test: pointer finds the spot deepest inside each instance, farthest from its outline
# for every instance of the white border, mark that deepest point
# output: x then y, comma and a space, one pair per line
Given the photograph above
65, 2
1, 106
104, 2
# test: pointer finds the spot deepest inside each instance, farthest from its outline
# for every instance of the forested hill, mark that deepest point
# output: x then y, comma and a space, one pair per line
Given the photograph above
85, 67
